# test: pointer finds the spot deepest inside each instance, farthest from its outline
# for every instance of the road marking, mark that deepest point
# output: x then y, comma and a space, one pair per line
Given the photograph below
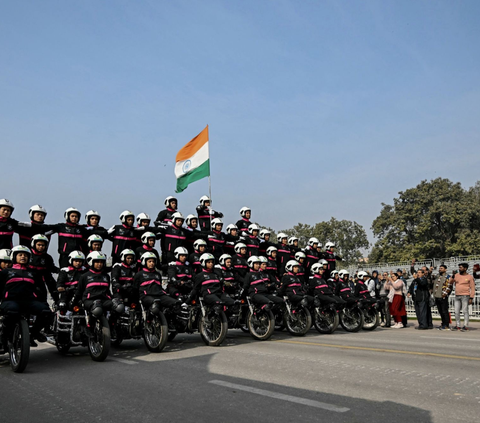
450, 337
351, 347
276, 395
123, 360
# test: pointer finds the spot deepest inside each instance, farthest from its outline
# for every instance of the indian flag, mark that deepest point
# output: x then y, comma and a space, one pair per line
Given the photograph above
193, 161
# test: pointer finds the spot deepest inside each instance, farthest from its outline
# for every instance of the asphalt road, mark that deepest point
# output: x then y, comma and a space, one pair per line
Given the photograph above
386, 375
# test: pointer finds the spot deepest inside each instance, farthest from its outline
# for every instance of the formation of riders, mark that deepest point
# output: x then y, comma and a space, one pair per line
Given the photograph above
199, 258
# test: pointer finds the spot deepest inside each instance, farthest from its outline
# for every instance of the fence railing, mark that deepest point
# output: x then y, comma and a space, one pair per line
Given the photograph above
473, 310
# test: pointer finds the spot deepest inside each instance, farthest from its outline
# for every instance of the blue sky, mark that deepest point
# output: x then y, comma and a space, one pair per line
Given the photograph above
315, 108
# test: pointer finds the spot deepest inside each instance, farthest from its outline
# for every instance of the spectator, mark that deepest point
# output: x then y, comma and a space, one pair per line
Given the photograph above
396, 300
476, 271
464, 295
440, 293
400, 274
419, 291
381, 291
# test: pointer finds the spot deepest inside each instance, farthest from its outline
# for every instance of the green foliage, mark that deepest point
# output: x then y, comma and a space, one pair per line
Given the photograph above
349, 237
435, 219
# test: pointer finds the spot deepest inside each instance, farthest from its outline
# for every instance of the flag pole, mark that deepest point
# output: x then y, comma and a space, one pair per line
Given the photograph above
209, 180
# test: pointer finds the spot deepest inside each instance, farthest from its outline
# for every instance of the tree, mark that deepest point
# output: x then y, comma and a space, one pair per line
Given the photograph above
437, 218
349, 237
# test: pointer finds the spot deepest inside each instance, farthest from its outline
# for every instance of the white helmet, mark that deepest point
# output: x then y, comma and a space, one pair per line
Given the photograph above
316, 267
125, 253
271, 249
329, 245
334, 272
263, 259
19, 249
70, 210
223, 258
216, 221
91, 213
292, 239
239, 246
281, 235
177, 215
95, 256
147, 235
264, 232
251, 260
168, 199
143, 216
147, 256
204, 198
323, 262
362, 274
299, 255
343, 272
253, 227
244, 210
313, 241
75, 255
189, 218
231, 227
5, 254
7, 203
291, 264
180, 251
206, 257
37, 208
94, 238
198, 243
124, 215
38, 237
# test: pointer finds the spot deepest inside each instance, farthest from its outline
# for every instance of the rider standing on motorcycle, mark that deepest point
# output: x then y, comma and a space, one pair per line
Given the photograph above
192, 233
41, 263
271, 268
68, 277
311, 252
199, 247
256, 287
18, 293
291, 285
148, 241
231, 237
251, 240
319, 288
206, 213
225, 272
208, 285
239, 262
122, 277
244, 222
180, 275
293, 245
330, 256
283, 253
216, 240
5, 259
300, 256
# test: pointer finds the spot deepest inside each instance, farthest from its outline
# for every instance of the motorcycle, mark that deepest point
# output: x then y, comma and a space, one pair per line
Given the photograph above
79, 328
297, 319
351, 317
15, 339
129, 325
325, 316
209, 321
371, 318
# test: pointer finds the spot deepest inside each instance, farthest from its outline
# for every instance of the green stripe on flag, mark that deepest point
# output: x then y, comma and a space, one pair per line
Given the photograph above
196, 174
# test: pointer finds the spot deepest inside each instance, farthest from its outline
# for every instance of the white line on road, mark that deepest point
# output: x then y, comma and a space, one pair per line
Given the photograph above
279, 396
450, 337
122, 360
